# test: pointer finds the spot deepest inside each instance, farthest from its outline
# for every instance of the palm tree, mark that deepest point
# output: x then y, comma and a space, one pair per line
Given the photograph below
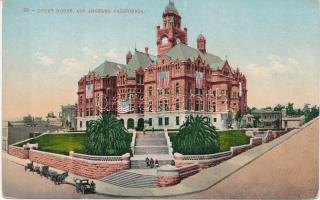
196, 136
107, 136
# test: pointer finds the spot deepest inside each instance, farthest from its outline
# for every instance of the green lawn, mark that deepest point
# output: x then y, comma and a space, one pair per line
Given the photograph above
227, 139
232, 138
60, 143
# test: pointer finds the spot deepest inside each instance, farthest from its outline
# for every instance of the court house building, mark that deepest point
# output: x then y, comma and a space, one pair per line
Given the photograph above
159, 91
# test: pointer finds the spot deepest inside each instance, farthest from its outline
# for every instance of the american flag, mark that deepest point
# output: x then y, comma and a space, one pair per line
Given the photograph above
123, 106
89, 91
163, 80
199, 80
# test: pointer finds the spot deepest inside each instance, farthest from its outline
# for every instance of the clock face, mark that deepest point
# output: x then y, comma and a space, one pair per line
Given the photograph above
178, 40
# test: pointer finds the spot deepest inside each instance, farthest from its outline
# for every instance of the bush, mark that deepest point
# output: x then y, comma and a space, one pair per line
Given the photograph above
107, 136
196, 136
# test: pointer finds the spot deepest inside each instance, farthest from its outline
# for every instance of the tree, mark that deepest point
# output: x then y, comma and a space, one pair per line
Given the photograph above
279, 107
290, 110
197, 136
256, 121
107, 136
311, 113
229, 120
51, 115
238, 117
250, 110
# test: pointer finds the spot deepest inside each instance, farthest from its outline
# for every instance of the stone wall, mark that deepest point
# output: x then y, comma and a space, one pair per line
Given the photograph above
91, 168
18, 152
211, 160
170, 175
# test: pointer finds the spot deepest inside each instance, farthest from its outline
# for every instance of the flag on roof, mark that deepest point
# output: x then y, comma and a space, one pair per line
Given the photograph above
199, 80
123, 106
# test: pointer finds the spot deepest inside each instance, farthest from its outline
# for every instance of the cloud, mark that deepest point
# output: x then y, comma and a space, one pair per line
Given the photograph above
44, 60
292, 61
274, 67
112, 54
74, 67
258, 71
90, 53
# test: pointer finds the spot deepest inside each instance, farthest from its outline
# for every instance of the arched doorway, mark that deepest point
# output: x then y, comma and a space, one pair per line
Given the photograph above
130, 123
122, 121
140, 124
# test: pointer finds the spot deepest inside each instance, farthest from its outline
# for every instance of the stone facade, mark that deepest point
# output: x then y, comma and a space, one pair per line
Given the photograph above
68, 116
223, 89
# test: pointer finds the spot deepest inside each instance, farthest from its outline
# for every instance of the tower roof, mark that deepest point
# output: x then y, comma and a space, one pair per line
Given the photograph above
170, 8
201, 37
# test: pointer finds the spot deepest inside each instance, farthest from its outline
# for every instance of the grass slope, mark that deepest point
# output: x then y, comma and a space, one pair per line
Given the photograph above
227, 139
60, 143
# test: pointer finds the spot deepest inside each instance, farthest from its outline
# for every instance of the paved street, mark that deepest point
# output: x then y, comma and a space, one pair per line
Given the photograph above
17, 183
290, 170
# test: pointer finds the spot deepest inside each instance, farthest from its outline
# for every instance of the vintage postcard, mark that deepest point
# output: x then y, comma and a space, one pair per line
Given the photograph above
188, 99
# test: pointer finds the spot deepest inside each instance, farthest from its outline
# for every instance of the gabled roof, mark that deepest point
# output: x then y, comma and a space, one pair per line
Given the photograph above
108, 68
185, 52
139, 59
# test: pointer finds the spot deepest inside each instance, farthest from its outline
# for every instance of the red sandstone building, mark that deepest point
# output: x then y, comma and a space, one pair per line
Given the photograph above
163, 89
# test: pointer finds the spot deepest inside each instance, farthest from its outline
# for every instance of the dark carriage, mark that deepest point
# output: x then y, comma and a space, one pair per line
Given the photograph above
84, 186
29, 167
59, 178
45, 171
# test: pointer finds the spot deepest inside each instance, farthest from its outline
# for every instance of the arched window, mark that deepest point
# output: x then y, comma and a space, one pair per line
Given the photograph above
177, 104
177, 88
164, 40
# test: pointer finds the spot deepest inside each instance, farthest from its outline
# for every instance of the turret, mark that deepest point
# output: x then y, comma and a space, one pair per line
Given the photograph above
201, 43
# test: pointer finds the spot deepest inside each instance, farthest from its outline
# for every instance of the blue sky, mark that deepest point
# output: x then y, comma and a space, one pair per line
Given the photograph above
275, 43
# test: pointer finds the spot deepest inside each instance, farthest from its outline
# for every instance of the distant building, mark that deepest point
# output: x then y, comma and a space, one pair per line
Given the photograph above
247, 121
268, 118
293, 122
54, 122
5, 135
18, 131
68, 117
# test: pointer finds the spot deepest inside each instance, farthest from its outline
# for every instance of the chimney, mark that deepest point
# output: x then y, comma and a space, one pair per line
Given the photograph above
146, 50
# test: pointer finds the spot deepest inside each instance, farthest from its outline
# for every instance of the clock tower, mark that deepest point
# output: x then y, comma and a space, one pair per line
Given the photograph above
171, 32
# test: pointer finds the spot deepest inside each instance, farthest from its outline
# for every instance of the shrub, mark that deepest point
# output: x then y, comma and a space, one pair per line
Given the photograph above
107, 136
196, 136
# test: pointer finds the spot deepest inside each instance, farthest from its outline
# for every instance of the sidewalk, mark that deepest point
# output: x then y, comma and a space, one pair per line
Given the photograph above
203, 180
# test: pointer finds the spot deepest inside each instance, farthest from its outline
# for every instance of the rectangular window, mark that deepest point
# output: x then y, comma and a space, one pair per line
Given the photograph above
214, 119
166, 105
80, 124
189, 104
177, 121
213, 92
160, 121
166, 91
160, 105
150, 121
166, 121
150, 106
222, 93
132, 107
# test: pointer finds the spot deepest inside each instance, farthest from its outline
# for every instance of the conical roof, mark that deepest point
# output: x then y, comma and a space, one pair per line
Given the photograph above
170, 8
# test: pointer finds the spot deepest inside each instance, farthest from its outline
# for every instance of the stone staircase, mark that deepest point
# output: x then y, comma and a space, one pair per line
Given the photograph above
141, 164
129, 179
151, 143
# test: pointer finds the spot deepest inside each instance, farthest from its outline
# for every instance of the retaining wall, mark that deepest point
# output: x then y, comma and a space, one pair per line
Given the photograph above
19, 152
95, 167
